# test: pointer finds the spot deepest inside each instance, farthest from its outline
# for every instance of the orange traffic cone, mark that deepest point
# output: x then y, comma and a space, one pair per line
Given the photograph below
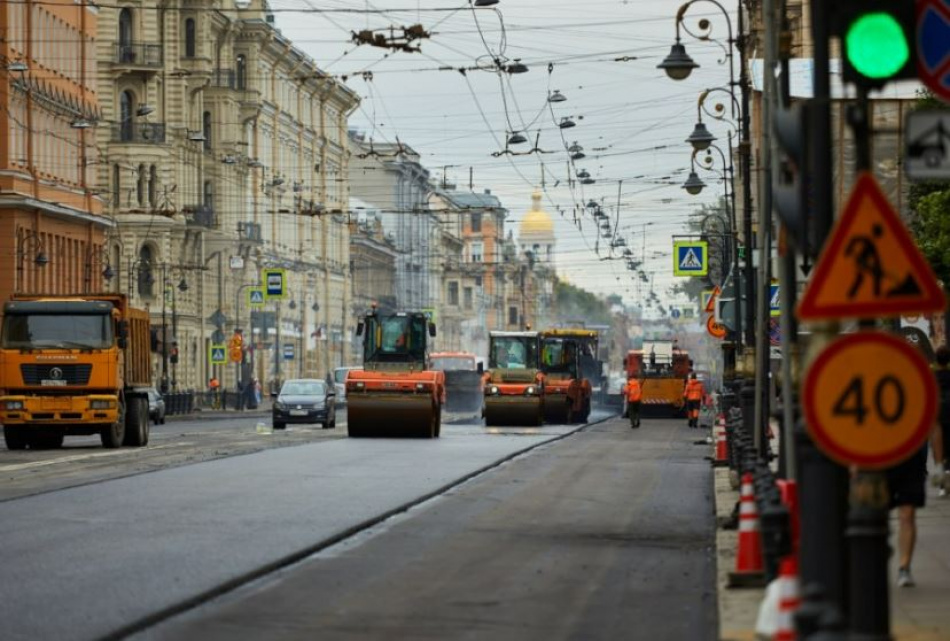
722, 448
789, 600
749, 565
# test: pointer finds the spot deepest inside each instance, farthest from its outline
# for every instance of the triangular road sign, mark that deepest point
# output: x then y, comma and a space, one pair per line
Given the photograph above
691, 260
870, 266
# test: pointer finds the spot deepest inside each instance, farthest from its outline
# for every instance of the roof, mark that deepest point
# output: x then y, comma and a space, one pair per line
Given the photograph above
536, 221
513, 334
471, 200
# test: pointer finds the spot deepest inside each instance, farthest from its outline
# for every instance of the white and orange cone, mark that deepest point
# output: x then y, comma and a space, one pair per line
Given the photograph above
789, 600
749, 564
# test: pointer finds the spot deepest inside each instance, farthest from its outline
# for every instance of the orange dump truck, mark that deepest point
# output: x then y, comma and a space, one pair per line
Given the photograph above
74, 365
567, 392
662, 369
463, 380
395, 394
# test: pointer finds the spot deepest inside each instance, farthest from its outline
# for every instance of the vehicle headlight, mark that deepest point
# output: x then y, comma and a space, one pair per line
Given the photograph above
530, 390
279, 406
101, 405
14, 405
493, 390
420, 387
359, 386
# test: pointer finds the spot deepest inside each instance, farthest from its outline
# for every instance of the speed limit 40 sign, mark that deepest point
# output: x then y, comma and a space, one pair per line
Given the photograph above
870, 400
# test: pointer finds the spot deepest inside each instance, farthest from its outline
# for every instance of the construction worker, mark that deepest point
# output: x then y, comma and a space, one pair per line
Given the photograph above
634, 394
693, 393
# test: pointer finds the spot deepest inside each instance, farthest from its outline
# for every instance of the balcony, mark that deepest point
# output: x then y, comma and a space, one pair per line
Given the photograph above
136, 56
201, 216
225, 79
139, 133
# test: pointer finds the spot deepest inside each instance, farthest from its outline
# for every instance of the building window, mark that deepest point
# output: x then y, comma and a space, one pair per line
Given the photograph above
477, 251
190, 38
126, 50
141, 185
146, 279
126, 105
468, 299
478, 281
209, 195
116, 186
477, 223
206, 129
241, 68
454, 293
512, 315
153, 186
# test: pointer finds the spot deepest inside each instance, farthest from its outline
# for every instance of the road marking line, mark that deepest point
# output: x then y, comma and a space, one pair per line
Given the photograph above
80, 457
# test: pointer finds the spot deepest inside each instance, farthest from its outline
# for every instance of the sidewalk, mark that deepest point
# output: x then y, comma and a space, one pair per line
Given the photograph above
264, 409
921, 613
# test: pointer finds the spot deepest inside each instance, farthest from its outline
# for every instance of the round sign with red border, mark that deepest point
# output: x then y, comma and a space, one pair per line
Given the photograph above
716, 330
870, 400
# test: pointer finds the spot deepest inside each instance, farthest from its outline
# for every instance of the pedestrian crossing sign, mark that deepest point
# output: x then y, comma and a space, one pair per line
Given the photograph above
775, 307
690, 258
255, 297
218, 354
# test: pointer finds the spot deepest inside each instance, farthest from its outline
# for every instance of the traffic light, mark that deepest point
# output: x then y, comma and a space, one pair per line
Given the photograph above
878, 40
791, 180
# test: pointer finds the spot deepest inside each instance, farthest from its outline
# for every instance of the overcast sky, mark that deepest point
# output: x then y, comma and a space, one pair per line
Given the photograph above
601, 54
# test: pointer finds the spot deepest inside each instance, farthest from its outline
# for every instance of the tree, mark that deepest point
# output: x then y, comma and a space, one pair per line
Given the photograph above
574, 303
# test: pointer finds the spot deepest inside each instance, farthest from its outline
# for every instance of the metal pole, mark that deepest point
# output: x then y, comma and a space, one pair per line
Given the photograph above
745, 155
824, 484
164, 382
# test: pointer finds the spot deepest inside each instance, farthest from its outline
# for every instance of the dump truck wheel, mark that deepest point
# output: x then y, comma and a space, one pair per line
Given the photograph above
113, 435
136, 423
15, 437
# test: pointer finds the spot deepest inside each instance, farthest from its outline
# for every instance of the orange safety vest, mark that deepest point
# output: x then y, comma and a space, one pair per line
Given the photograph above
214, 384
634, 392
694, 390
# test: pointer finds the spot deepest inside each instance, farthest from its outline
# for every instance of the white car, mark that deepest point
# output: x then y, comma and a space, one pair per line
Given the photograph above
339, 382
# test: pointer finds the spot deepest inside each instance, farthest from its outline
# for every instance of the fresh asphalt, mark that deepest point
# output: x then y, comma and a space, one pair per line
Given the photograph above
607, 534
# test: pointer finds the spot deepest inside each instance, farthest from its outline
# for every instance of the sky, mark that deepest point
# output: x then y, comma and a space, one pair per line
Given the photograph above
631, 120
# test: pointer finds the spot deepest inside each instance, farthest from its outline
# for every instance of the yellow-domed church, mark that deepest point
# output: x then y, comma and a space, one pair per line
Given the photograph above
536, 233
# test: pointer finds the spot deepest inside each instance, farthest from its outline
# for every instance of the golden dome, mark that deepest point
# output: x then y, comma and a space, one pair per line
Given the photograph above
536, 221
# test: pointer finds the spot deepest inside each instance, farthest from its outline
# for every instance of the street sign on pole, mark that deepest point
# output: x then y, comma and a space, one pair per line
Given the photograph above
275, 283
775, 306
217, 354
870, 266
288, 351
714, 329
690, 258
933, 46
870, 400
255, 297
927, 140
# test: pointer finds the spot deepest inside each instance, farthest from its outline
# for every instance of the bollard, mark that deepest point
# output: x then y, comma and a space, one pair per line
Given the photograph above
776, 539
830, 626
810, 611
868, 608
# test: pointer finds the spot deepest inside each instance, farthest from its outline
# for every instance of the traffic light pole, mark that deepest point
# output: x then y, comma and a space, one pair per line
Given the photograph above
823, 484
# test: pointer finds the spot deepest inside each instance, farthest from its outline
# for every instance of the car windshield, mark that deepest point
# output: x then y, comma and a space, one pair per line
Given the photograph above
303, 388
57, 331
339, 376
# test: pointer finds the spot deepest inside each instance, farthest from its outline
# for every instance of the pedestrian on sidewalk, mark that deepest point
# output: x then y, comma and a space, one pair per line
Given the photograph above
693, 393
940, 440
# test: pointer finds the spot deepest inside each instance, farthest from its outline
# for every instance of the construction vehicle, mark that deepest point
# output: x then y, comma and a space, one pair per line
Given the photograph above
662, 369
463, 380
74, 366
514, 384
395, 393
567, 391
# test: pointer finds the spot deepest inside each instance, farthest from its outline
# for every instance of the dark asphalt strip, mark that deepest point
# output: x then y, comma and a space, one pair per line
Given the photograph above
227, 587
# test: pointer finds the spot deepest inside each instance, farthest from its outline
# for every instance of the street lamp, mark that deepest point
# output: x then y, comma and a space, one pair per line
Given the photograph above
693, 184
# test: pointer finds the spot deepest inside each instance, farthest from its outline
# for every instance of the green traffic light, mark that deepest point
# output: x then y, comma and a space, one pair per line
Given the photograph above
876, 45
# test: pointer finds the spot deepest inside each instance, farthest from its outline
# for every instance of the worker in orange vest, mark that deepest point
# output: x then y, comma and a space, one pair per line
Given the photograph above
693, 394
634, 394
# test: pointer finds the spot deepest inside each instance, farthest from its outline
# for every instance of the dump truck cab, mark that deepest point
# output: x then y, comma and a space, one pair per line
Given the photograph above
567, 391
395, 394
514, 384
74, 365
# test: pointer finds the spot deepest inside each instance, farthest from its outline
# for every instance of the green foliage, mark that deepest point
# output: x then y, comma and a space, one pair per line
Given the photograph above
574, 303
932, 228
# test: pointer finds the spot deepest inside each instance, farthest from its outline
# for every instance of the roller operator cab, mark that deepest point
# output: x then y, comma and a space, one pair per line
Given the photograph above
567, 391
74, 365
514, 384
395, 393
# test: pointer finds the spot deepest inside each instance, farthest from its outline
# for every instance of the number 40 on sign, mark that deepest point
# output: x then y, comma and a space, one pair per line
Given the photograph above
870, 400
